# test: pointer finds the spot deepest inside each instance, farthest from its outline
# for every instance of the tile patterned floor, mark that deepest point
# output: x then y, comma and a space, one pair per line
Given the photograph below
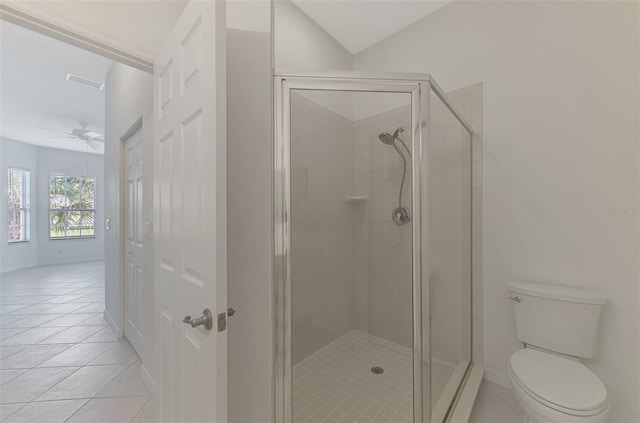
496, 404
59, 361
336, 384
440, 373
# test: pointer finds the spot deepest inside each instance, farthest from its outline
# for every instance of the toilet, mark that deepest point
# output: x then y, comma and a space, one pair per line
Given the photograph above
558, 326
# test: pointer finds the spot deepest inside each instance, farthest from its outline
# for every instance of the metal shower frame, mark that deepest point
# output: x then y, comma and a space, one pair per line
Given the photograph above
419, 86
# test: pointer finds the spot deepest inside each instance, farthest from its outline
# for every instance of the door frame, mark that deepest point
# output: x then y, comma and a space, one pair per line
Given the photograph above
122, 230
122, 233
144, 123
39, 18
418, 86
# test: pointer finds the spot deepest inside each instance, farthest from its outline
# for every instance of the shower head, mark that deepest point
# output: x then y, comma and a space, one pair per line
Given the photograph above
401, 214
389, 139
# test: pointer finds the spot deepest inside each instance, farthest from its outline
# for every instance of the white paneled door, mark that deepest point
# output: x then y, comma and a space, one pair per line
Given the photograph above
190, 215
134, 239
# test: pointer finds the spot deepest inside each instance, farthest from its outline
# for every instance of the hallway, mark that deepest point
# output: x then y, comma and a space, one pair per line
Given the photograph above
59, 361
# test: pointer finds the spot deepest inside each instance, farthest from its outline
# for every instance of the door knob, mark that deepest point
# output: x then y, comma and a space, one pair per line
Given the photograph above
206, 319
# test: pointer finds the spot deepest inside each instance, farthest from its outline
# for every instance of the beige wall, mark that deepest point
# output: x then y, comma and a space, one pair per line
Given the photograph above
560, 152
321, 226
383, 260
250, 290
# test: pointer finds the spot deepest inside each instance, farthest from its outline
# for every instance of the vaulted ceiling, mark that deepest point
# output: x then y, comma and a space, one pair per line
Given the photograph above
359, 24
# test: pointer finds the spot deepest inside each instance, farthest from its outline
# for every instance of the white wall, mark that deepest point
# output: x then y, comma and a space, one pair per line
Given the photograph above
51, 160
560, 151
40, 250
250, 15
23, 254
249, 220
303, 44
129, 96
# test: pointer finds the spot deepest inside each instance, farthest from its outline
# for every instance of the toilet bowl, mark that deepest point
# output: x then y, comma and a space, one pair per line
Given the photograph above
558, 325
554, 389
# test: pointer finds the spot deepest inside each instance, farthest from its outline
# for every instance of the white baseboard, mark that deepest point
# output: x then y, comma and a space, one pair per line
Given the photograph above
501, 378
148, 380
112, 324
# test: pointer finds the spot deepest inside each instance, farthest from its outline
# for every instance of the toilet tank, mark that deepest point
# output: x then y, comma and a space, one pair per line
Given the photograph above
557, 318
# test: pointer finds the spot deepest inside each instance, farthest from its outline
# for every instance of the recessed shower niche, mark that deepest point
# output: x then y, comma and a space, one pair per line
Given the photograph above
373, 249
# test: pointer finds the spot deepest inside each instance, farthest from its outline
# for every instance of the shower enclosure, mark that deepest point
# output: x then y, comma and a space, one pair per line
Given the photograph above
372, 239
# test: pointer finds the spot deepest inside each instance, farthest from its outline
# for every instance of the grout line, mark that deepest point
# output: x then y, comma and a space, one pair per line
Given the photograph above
141, 409
73, 294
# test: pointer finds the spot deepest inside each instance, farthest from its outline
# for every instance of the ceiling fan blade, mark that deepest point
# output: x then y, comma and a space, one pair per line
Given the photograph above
52, 130
93, 144
56, 138
92, 134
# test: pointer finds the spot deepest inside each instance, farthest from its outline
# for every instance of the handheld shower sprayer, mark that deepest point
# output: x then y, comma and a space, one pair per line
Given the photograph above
401, 214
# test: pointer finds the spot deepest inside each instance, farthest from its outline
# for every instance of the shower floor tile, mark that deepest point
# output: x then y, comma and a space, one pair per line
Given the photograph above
336, 384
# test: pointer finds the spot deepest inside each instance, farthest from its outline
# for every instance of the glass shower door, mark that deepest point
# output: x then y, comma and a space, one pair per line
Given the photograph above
372, 249
351, 256
449, 240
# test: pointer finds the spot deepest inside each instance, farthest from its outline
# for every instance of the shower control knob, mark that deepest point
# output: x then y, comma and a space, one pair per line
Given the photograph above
401, 215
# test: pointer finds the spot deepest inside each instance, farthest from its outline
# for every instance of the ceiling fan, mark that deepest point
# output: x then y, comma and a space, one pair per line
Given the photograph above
91, 138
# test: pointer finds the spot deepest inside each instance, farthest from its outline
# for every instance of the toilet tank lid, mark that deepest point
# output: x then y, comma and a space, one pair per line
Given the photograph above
557, 292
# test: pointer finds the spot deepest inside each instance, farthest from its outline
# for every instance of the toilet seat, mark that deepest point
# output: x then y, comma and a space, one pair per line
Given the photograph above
559, 383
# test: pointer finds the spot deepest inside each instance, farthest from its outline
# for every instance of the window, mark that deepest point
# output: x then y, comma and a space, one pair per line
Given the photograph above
72, 206
18, 194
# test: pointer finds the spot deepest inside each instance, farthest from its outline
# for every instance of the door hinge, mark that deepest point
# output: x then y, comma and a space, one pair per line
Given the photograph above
222, 322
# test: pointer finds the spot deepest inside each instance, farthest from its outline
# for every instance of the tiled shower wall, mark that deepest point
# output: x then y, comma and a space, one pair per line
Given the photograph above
322, 226
351, 265
382, 250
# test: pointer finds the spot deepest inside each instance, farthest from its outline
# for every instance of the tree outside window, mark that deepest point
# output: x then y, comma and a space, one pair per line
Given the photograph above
18, 210
72, 207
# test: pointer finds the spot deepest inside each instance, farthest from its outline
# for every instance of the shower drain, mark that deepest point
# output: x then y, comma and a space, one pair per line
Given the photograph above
377, 370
